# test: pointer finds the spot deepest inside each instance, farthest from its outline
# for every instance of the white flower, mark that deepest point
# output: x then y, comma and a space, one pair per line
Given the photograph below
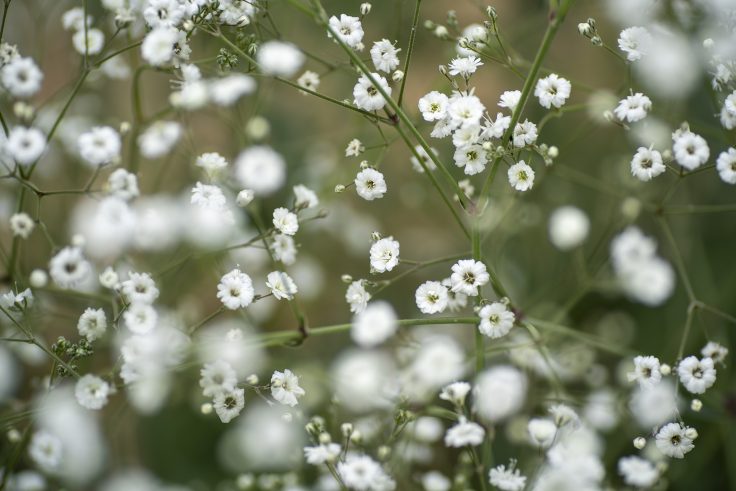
285, 388
285, 221
542, 432
525, 134
283, 249
464, 109
348, 29
464, 66
21, 224
637, 472
281, 285
496, 129
433, 106
521, 176
367, 96
159, 44
384, 56
634, 42
465, 433
634, 108
227, 90
304, 197
646, 371
46, 450
235, 290
212, 163
696, 375
467, 276
123, 185
25, 145
91, 392
384, 255
163, 13
552, 90
499, 392
109, 279
140, 288
92, 324
726, 166
357, 296
431, 297
21, 77
510, 99
229, 403
691, 150
93, 43
455, 393
68, 268
245, 197
279, 58
496, 320
355, 147
714, 351
361, 473
672, 441
435, 481
472, 158
647, 164
140, 318
216, 377
568, 227
261, 169
563, 415
374, 325
322, 454
507, 479
309, 80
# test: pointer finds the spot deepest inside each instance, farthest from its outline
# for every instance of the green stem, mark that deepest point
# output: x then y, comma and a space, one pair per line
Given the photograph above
412, 38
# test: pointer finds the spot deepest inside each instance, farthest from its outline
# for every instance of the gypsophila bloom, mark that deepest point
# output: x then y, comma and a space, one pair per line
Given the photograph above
91, 44
367, 96
309, 80
285, 388
235, 290
229, 403
92, 392
464, 109
696, 375
212, 163
140, 318
647, 164
208, 196
218, 376
431, 297
140, 288
285, 221
122, 185
279, 58
691, 150
563, 415
464, 433
21, 77
25, 145
525, 134
46, 450
92, 324
496, 128
455, 393
714, 351
634, 42
637, 471
507, 478
467, 276
304, 197
159, 44
384, 255
362, 473
672, 441
472, 158
646, 371
568, 227
159, 138
21, 224
499, 392
542, 432
283, 249
281, 285
348, 29
385, 56
261, 169
433, 106
227, 90
355, 147
510, 99
323, 453
163, 13
521, 176
68, 268
455, 300
109, 279
552, 91
634, 108
357, 296
726, 166
464, 66
374, 325
496, 320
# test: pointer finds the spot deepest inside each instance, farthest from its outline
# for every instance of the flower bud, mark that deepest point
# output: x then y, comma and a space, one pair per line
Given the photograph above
245, 197
325, 437
346, 429
252, 379
397, 76
339, 188
491, 13
38, 278
691, 433
640, 442
206, 408
365, 8
665, 369
696, 405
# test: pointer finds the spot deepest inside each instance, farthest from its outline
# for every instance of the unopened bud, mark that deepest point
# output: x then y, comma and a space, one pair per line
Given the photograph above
397, 76
696, 405
206, 408
691, 433
245, 197
365, 8
640, 442
339, 188
665, 369
325, 437
252, 379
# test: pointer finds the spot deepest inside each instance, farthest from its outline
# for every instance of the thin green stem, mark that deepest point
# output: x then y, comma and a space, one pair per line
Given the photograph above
410, 50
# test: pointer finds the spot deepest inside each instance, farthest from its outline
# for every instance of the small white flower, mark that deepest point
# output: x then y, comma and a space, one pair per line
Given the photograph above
309, 80
227, 90
229, 403
521, 176
433, 106
123, 185
355, 147
21, 77
464, 66
304, 197
691, 150
218, 376
235, 290
646, 371
552, 91
281, 285
92, 45
21, 224
46, 450
634, 108
647, 164
726, 166
357, 296
140, 288
68, 268
431, 297
496, 320
260, 169
92, 324
525, 134
673, 442
696, 375
279, 58
367, 96
385, 56
283, 249
634, 41
140, 318
568, 227
472, 158
348, 29
374, 325
465, 433
467, 276
542, 432
370, 184
159, 44
455, 393
714, 351
25, 145
384, 255
638, 472
285, 388
285, 221
92, 392
322, 454
212, 163
510, 99
507, 478
159, 138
